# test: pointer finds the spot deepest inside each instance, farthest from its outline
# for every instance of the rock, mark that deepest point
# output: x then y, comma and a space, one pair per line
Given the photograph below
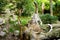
5, 30
42, 36
16, 32
2, 21
14, 18
58, 39
2, 33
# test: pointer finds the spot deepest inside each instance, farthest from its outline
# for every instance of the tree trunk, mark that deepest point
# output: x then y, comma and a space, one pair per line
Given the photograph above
51, 8
43, 5
19, 11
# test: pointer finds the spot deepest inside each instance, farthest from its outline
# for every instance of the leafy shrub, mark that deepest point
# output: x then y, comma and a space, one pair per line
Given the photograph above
24, 20
58, 17
47, 18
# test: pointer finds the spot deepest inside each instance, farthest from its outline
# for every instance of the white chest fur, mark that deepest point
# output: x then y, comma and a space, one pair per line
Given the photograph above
36, 18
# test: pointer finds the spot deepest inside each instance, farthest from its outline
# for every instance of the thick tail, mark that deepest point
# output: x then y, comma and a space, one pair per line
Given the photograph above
51, 27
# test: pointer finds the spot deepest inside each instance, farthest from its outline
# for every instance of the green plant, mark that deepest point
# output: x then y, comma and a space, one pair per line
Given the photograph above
58, 17
24, 20
47, 18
